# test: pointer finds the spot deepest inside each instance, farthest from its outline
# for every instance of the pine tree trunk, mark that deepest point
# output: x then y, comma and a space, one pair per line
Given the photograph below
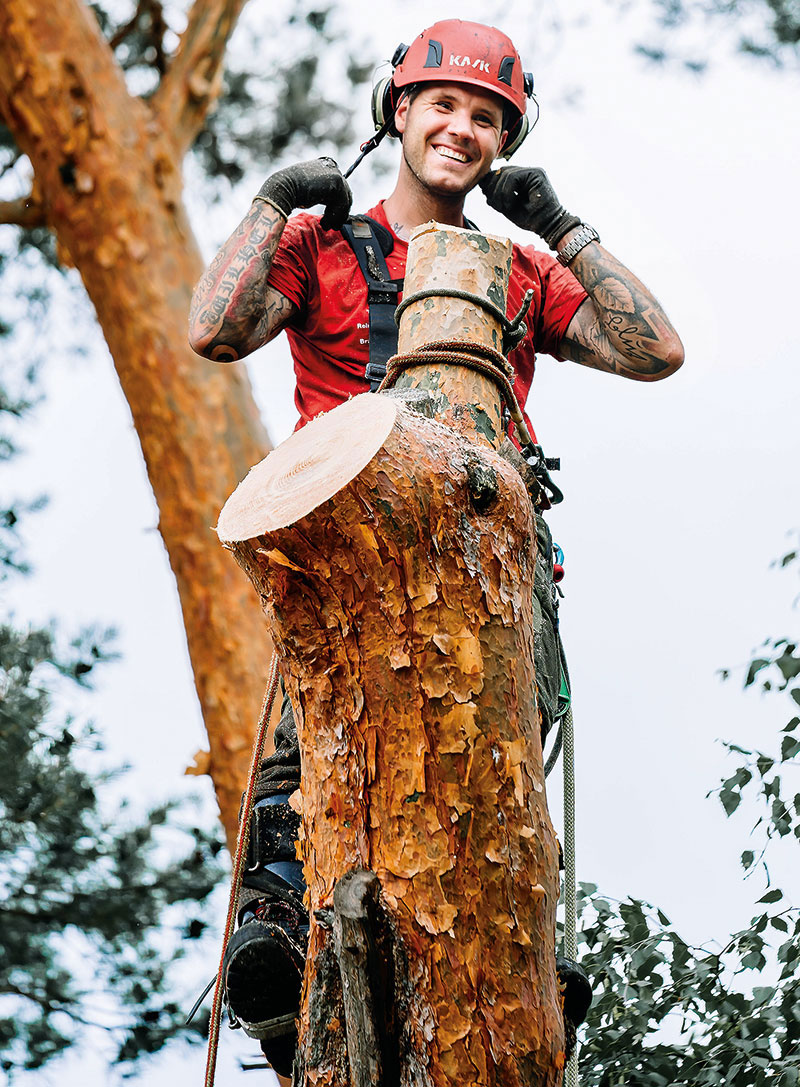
107, 172
394, 558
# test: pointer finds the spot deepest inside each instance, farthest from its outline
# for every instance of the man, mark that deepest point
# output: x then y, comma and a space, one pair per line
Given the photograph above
457, 100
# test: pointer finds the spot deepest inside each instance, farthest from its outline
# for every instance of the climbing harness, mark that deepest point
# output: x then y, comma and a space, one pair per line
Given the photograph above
239, 861
372, 243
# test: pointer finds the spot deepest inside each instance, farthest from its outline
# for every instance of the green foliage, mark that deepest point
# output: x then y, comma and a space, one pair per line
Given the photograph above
277, 97
280, 98
15, 402
97, 902
668, 1014
690, 31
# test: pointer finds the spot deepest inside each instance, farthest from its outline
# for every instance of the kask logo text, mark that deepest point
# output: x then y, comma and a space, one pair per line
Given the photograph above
468, 62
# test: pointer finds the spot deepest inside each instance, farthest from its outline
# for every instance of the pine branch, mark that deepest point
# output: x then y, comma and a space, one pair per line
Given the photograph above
194, 77
25, 211
51, 1007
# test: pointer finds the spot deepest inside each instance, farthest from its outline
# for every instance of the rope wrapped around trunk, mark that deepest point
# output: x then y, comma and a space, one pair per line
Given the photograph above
514, 330
485, 360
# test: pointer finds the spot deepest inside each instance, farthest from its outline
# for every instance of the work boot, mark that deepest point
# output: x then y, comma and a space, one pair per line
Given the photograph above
262, 970
576, 996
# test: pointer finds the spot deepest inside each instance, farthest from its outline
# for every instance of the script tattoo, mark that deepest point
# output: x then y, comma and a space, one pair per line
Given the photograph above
233, 309
621, 328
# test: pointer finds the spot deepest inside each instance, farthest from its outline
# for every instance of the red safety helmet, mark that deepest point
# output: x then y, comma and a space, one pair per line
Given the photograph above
452, 51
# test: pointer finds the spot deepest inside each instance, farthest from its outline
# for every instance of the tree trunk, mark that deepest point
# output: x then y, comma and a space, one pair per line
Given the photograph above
394, 557
107, 172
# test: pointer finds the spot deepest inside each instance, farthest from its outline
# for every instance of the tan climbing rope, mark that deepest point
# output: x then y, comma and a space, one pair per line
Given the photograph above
570, 897
473, 356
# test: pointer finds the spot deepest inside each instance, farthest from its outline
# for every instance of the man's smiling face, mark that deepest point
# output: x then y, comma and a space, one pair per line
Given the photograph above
451, 135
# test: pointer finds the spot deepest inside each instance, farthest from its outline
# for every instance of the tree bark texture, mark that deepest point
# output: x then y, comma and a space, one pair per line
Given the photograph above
107, 170
464, 260
402, 612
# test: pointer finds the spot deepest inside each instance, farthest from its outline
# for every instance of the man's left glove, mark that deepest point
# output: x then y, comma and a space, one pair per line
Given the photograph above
525, 196
319, 181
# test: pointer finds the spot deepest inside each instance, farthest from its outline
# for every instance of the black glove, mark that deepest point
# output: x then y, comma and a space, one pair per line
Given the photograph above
319, 181
525, 196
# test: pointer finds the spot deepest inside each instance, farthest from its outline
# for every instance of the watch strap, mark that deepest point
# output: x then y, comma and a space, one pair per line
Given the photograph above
585, 235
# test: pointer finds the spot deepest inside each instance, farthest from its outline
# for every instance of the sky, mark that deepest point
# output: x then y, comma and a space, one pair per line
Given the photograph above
679, 493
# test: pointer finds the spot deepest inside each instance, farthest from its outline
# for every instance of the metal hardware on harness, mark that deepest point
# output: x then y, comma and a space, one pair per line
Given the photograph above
514, 330
542, 467
371, 243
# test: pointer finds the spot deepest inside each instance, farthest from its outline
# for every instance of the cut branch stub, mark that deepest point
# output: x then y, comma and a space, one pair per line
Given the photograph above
446, 257
355, 900
400, 602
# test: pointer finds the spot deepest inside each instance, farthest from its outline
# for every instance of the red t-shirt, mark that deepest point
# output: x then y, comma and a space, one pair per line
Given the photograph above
329, 338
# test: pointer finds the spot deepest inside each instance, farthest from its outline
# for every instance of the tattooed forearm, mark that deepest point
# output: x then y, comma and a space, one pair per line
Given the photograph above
621, 328
233, 309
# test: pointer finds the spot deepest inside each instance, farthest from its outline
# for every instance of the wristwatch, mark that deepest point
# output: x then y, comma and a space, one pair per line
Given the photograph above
585, 235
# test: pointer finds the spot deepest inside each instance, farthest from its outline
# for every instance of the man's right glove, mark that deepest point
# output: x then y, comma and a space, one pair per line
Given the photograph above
319, 181
525, 196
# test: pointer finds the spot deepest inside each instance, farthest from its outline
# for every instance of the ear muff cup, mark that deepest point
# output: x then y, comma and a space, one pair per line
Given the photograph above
515, 138
519, 133
383, 103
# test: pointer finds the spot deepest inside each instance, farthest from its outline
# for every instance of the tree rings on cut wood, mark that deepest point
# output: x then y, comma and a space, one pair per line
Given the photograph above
308, 468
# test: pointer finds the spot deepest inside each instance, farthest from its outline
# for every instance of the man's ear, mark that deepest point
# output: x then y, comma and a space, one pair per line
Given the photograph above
401, 113
503, 142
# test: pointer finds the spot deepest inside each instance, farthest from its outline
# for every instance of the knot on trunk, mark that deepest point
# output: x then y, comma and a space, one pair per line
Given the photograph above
482, 482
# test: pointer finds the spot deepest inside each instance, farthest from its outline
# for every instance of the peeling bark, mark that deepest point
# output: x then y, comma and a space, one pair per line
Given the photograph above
108, 177
401, 606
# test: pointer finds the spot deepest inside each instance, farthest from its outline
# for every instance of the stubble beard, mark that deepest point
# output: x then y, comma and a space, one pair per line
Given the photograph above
432, 191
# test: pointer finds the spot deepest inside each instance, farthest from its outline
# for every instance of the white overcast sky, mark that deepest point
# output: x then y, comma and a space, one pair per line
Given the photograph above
679, 494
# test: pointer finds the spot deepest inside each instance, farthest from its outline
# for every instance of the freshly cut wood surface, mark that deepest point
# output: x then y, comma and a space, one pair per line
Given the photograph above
308, 468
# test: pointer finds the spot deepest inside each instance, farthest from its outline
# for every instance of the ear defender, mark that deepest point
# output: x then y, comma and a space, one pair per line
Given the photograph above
382, 107
518, 134
385, 96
